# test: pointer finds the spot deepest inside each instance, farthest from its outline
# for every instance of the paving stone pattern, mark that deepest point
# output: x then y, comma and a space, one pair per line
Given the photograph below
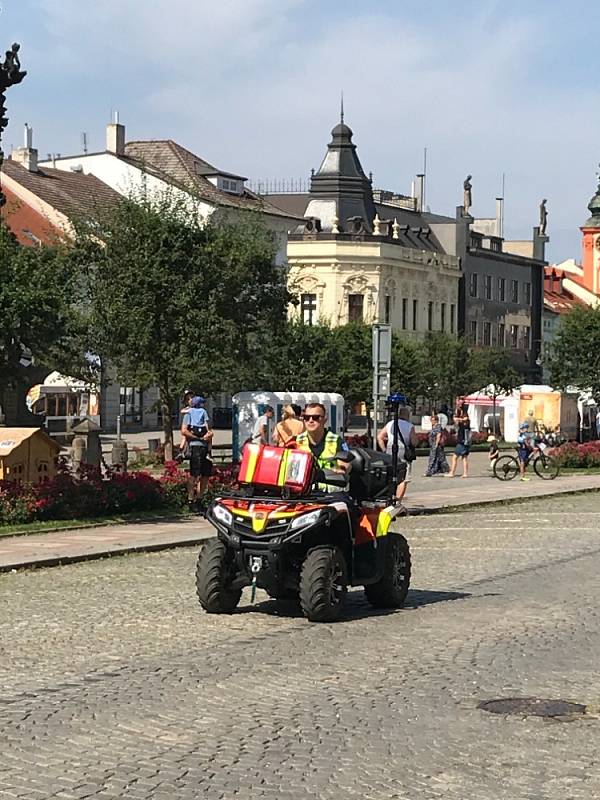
114, 684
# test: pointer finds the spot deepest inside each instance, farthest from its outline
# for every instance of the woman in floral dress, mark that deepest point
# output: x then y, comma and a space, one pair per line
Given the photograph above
437, 464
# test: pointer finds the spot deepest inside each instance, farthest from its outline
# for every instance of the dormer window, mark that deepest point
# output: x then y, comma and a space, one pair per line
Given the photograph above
224, 181
229, 185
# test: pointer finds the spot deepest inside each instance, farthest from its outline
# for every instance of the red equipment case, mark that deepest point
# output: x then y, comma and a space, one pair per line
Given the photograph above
263, 465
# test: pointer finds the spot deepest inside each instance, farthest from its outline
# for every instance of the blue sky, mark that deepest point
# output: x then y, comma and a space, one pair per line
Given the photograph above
253, 86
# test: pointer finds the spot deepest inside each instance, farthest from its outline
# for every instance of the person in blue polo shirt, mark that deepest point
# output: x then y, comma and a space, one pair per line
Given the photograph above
196, 430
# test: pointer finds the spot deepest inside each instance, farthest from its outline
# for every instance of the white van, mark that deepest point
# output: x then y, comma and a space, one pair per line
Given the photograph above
248, 407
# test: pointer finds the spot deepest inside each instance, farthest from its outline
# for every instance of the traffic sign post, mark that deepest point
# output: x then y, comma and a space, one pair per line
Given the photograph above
382, 362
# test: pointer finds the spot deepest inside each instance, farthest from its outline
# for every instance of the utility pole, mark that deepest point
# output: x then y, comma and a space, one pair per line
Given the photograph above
382, 360
10, 75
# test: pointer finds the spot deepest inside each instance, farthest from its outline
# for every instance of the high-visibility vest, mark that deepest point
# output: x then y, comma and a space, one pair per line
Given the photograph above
333, 444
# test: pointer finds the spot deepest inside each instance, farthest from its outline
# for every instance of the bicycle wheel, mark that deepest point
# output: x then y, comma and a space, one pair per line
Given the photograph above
545, 467
506, 468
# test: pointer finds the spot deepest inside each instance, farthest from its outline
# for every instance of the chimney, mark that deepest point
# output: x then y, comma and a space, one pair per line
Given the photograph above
500, 217
420, 187
115, 137
27, 155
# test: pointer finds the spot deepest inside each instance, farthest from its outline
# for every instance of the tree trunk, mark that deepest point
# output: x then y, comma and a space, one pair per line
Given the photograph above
165, 404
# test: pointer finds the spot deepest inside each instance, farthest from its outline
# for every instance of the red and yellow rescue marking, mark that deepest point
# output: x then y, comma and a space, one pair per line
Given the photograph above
262, 513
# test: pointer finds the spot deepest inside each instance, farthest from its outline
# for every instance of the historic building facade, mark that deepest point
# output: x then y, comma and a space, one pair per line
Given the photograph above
377, 256
342, 280
353, 260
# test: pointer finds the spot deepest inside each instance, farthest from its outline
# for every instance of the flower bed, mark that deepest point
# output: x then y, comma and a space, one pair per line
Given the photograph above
362, 440
89, 494
578, 456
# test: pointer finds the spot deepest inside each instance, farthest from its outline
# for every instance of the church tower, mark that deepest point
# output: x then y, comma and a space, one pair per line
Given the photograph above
591, 246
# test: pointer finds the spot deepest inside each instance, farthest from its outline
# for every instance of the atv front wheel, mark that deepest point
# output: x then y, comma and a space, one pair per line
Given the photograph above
323, 582
214, 572
391, 590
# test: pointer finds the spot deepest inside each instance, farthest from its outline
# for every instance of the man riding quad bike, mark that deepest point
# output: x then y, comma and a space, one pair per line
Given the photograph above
287, 532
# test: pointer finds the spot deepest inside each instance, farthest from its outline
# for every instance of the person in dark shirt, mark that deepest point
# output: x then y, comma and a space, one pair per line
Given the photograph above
463, 440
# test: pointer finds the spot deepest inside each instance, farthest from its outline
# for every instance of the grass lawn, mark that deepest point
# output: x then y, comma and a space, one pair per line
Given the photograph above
89, 522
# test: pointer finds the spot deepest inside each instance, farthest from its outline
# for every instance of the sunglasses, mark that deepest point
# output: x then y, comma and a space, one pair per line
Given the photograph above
312, 417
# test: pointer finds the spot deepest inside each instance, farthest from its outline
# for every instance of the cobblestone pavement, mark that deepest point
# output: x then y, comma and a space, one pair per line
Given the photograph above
114, 684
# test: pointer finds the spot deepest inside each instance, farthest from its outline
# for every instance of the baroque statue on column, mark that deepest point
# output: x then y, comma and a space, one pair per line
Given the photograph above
543, 217
467, 195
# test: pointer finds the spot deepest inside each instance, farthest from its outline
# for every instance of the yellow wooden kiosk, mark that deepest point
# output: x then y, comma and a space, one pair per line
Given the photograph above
27, 455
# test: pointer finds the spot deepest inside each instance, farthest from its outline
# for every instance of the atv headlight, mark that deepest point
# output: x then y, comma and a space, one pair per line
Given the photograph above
305, 519
223, 515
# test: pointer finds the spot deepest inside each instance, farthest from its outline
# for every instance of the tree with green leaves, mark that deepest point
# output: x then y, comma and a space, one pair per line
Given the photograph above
175, 300
575, 351
407, 366
445, 368
319, 357
38, 310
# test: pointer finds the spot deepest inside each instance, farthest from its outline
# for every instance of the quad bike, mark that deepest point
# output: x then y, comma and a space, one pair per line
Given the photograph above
283, 533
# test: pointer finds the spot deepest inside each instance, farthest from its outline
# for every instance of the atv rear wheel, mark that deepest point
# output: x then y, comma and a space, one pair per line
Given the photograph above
323, 582
214, 572
391, 590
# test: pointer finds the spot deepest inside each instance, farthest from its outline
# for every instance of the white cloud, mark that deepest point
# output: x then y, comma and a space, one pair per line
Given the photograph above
178, 36
253, 86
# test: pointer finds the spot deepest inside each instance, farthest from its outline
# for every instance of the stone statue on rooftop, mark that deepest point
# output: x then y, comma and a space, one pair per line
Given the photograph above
467, 196
10, 69
543, 217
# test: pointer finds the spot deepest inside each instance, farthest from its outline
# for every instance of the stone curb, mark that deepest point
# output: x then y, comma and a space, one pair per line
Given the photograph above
95, 525
422, 511
58, 561
55, 561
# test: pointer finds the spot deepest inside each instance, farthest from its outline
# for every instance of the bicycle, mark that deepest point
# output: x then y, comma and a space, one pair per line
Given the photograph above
545, 466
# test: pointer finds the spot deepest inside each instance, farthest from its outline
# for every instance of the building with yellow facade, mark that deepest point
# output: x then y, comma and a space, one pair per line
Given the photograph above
357, 260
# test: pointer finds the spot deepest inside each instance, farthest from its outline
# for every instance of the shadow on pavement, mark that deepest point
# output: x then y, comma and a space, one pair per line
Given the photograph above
357, 605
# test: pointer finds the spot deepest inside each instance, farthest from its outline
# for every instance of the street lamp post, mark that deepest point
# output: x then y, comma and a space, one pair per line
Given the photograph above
10, 74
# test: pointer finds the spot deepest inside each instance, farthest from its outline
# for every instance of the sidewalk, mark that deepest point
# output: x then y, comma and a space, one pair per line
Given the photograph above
425, 496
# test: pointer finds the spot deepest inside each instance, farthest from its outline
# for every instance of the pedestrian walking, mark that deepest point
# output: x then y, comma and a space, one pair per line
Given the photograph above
437, 464
463, 439
290, 426
260, 432
195, 428
184, 449
407, 442
444, 415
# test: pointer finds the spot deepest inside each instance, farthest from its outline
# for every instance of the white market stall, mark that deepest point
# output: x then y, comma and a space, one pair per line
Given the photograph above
541, 406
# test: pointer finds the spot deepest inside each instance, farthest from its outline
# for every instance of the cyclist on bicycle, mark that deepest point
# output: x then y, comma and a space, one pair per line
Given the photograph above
525, 448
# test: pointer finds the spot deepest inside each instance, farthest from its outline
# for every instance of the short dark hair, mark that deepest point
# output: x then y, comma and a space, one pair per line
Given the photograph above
316, 405
268, 408
296, 408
